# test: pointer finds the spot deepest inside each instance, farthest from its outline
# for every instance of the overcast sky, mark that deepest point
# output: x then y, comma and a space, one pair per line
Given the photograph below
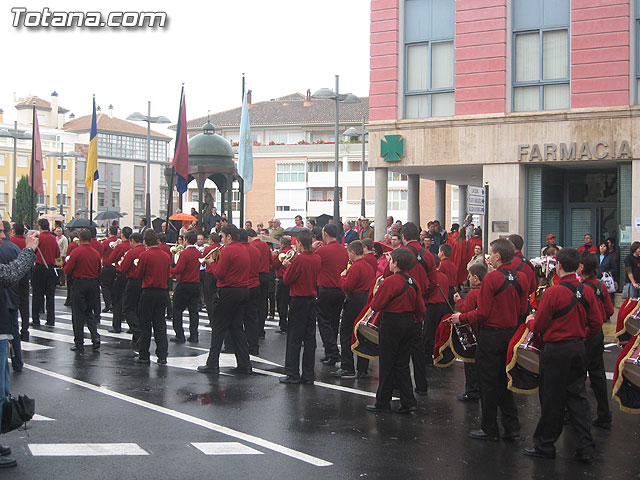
283, 46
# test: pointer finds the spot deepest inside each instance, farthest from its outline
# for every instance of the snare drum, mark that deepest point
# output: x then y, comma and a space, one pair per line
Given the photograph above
631, 367
632, 325
528, 354
369, 327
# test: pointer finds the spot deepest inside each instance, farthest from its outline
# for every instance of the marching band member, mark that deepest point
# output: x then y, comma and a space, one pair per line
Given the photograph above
437, 307
369, 255
153, 268
44, 279
266, 263
84, 265
567, 314
501, 303
74, 241
202, 270
232, 275
282, 289
187, 292
594, 342
162, 245
120, 280
521, 263
210, 286
252, 311
108, 274
20, 240
133, 288
400, 299
355, 283
302, 275
334, 259
449, 268
477, 272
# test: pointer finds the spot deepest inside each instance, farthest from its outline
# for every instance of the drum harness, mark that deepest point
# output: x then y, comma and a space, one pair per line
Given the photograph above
596, 289
510, 279
577, 296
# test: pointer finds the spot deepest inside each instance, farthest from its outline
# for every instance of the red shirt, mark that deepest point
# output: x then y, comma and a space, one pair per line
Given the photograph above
426, 281
19, 240
435, 296
450, 270
255, 257
232, 269
575, 325
49, 248
410, 301
501, 310
604, 301
128, 266
187, 270
527, 269
303, 274
588, 248
266, 260
371, 259
84, 262
207, 249
72, 246
334, 259
97, 246
278, 264
470, 302
165, 248
106, 250
118, 253
153, 267
359, 277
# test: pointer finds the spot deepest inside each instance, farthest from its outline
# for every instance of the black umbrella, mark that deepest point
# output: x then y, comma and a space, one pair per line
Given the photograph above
322, 220
81, 223
108, 215
294, 230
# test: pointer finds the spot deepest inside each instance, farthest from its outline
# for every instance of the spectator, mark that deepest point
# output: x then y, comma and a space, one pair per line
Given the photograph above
551, 242
349, 234
632, 272
588, 245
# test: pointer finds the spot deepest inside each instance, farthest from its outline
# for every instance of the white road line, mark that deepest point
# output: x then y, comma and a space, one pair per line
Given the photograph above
33, 347
261, 442
225, 448
42, 418
85, 449
103, 331
609, 345
53, 336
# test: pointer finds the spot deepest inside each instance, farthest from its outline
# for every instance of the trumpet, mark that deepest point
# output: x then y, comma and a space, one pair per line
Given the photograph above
77, 240
136, 261
286, 255
113, 244
176, 249
215, 252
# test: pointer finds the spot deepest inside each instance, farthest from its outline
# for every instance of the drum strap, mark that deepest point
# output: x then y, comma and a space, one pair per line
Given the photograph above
408, 283
523, 262
577, 296
510, 279
596, 289
420, 257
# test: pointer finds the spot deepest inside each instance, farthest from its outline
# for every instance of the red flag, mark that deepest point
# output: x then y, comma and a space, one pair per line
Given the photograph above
181, 153
35, 179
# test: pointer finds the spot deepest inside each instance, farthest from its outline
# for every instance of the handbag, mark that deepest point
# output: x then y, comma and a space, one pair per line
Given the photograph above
608, 282
16, 412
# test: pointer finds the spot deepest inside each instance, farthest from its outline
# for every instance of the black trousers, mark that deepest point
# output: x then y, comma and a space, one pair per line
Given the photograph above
201, 298
229, 313
250, 320
152, 308
107, 276
471, 385
186, 295
418, 358
301, 331
433, 316
23, 305
69, 290
210, 289
282, 295
594, 348
271, 297
43, 282
396, 336
329, 304
353, 305
491, 358
562, 378
117, 295
264, 299
85, 297
130, 301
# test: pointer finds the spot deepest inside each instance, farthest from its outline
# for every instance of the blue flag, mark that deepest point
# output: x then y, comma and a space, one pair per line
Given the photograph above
245, 152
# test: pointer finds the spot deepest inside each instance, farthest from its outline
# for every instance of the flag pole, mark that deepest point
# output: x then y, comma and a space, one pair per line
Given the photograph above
173, 169
241, 184
32, 162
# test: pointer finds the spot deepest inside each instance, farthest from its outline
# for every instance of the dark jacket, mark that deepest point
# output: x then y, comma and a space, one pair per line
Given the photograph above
10, 274
608, 264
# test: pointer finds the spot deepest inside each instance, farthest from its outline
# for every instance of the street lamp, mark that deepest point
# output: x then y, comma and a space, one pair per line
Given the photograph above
138, 117
352, 132
337, 97
16, 135
61, 156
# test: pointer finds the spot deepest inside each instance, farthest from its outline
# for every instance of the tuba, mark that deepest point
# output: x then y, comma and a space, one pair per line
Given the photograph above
286, 255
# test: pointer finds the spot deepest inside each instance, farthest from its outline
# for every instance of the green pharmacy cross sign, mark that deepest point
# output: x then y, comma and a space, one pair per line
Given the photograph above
392, 148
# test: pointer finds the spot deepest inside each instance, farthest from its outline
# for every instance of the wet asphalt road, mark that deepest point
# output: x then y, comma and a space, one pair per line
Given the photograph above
167, 415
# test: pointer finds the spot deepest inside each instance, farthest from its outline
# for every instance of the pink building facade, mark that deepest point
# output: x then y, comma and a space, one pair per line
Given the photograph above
534, 99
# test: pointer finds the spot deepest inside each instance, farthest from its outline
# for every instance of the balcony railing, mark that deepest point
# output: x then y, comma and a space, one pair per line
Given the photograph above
4, 198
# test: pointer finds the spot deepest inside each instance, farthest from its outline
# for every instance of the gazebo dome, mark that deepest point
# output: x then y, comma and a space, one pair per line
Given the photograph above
209, 148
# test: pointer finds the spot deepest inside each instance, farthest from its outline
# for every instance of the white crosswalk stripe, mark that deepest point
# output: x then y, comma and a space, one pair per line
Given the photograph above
225, 448
53, 336
85, 449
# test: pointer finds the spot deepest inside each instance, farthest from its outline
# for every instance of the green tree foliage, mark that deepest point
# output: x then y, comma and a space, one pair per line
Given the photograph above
23, 202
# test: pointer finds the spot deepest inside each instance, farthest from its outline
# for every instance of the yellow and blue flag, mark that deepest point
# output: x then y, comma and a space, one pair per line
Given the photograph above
92, 157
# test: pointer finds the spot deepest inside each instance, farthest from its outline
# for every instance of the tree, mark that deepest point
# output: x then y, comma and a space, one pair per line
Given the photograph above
23, 202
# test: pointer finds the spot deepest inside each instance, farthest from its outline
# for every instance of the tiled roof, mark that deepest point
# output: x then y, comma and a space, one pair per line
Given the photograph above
110, 124
289, 110
40, 103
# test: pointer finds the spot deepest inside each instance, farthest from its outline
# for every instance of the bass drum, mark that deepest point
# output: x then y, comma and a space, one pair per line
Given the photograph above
626, 378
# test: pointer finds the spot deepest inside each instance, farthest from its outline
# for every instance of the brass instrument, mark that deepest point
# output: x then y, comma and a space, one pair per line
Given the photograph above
286, 255
77, 240
176, 249
136, 261
349, 264
215, 252
114, 243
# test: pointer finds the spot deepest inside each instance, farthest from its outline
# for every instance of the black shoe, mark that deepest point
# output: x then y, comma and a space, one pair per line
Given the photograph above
144, 361
227, 350
324, 359
340, 373
534, 452
307, 382
177, 339
362, 375
50, 324
465, 397
481, 435
281, 331
330, 362
583, 457
76, 348
208, 369
193, 340
113, 330
4, 451
67, 304
106, 309
6, 462
511, 435
606, 424
169, 316
162, 361
376, 409
262, 335
421, 392
35, 324
24, 335
290, 380
96, 346
241, 371
407, 409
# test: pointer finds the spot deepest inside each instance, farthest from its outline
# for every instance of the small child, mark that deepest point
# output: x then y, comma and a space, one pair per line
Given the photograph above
400, 300
477, 271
